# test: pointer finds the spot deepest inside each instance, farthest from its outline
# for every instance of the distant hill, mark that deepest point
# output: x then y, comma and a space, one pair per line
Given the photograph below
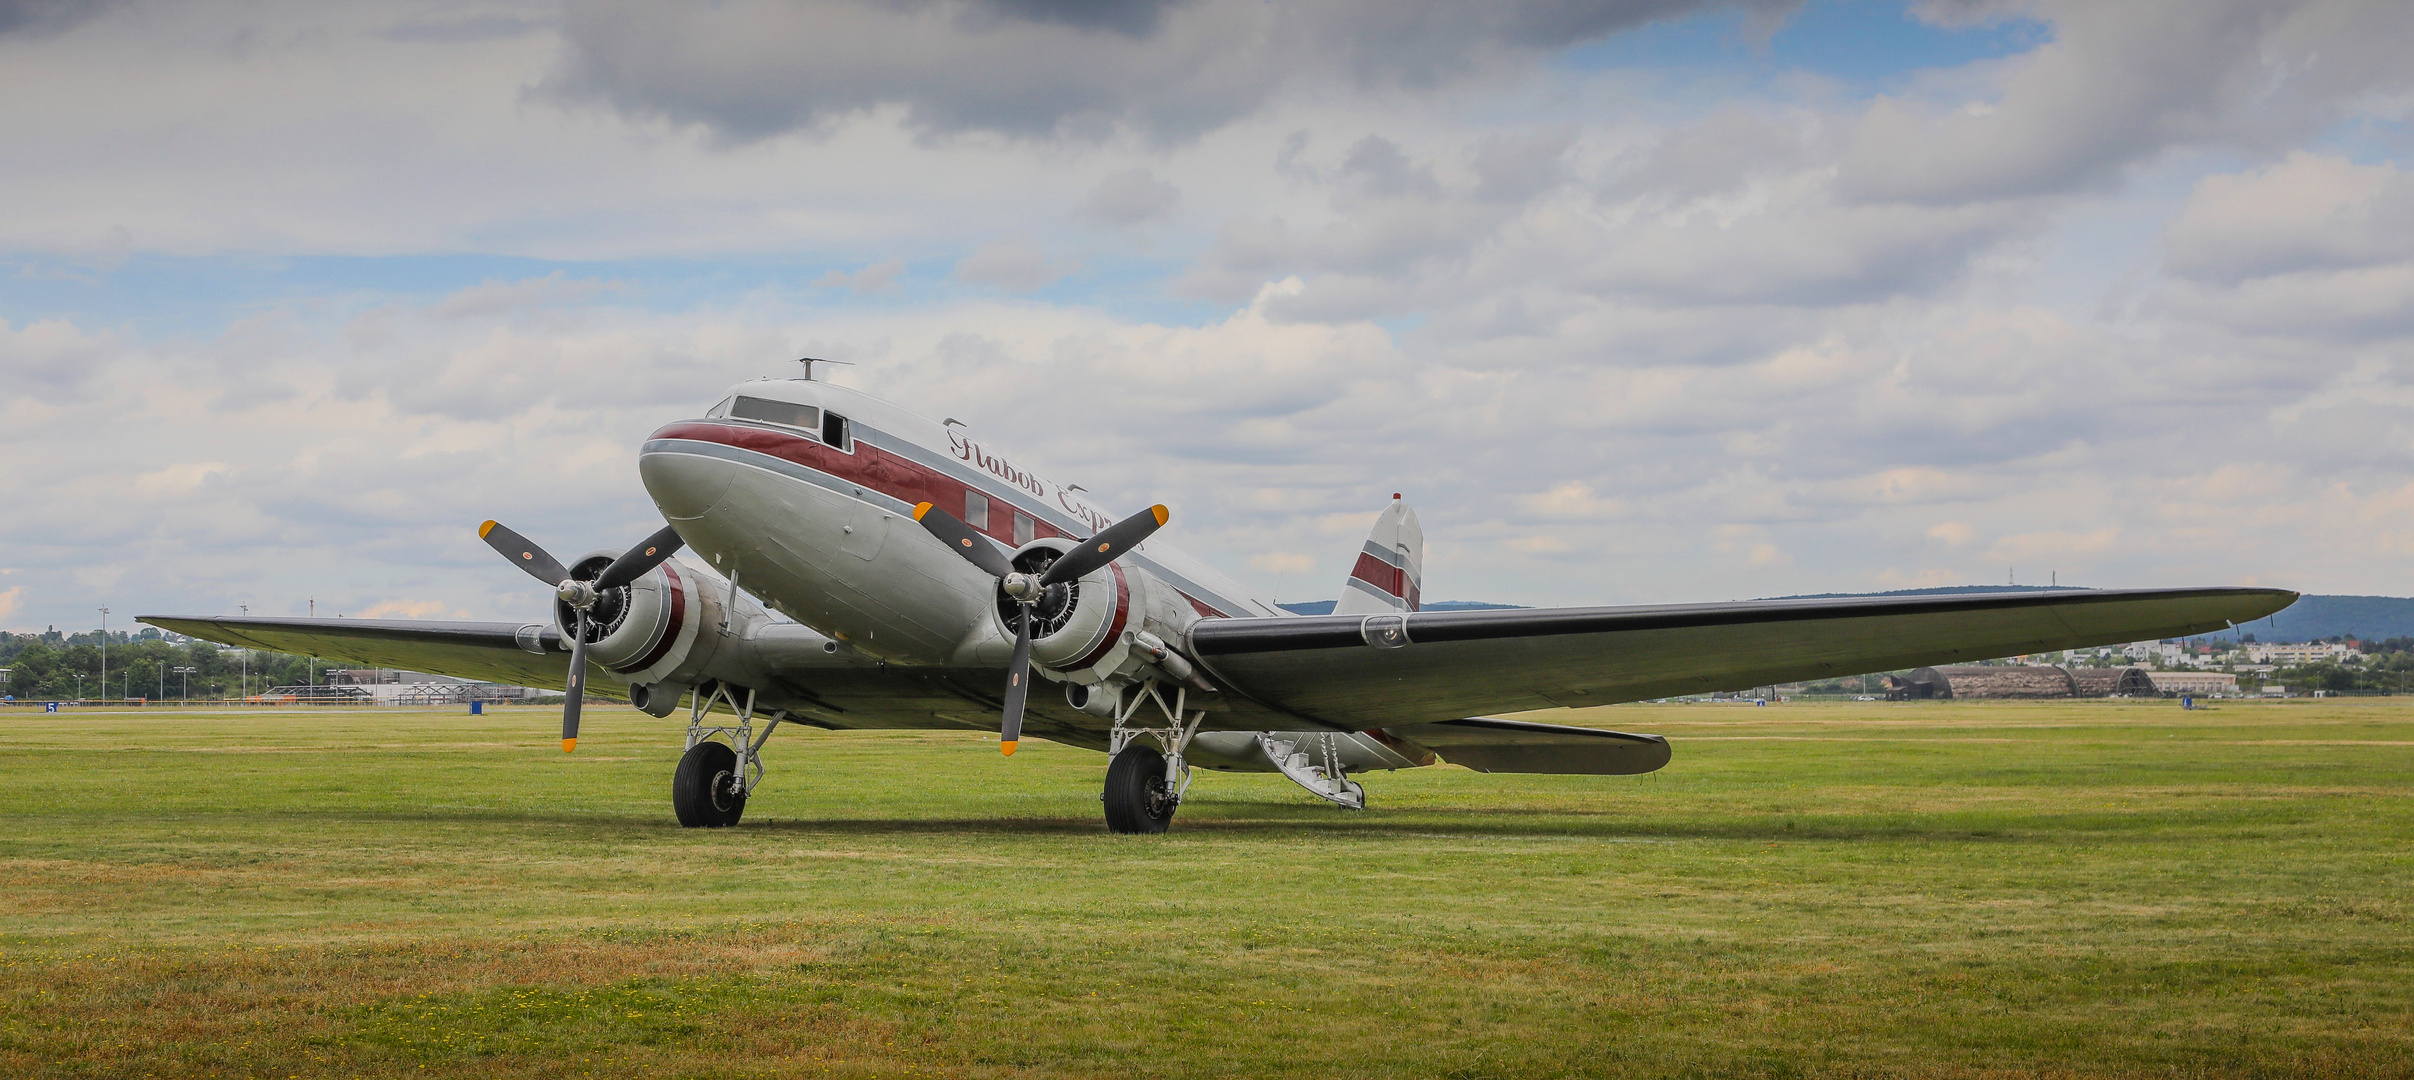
2311, 618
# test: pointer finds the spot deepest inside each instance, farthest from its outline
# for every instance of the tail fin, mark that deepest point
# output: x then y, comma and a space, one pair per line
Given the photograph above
1389, 567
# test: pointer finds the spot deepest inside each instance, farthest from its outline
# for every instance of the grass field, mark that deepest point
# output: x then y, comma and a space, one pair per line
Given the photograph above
1945, 889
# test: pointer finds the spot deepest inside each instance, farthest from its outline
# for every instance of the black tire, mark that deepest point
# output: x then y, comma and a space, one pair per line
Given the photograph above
700, 792
1137, 800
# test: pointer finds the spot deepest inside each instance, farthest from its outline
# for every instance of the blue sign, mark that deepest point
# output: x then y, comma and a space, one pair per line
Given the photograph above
50, 706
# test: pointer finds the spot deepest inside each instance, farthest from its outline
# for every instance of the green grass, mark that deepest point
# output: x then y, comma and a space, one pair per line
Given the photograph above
1962, 890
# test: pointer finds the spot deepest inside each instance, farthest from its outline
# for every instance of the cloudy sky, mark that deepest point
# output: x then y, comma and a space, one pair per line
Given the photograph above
1638, 301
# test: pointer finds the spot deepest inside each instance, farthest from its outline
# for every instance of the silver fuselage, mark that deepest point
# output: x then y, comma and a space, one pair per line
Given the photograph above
822, 530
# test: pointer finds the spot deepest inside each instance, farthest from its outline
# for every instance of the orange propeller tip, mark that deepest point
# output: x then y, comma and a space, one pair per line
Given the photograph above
1161, 513
487, 528
1006, 747
920, 509
569, 745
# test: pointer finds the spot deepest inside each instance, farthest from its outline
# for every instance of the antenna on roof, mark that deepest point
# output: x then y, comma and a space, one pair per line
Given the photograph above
809, 361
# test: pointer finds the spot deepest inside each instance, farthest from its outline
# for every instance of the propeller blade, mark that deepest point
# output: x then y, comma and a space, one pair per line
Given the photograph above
633, 563
1110, 543
523, 554
576, 695
974, 547
1018, 685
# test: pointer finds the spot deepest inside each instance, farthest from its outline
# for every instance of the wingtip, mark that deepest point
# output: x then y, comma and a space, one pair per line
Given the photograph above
487, 528
569, 745
1006, 747
1160, 513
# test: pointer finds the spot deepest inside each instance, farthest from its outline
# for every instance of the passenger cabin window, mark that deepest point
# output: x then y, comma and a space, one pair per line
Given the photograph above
976, 509
834, 431
776, 412
1022, 530
721, 409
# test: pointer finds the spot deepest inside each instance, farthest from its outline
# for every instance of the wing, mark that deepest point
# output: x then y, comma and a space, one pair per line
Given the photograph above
489, 651
1344, 672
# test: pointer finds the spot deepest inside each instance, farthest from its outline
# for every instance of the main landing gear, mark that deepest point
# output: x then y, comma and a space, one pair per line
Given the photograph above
709, 790
1144, 784
1138, 800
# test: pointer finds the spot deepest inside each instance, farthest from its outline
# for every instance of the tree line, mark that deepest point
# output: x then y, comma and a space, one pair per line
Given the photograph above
44, 667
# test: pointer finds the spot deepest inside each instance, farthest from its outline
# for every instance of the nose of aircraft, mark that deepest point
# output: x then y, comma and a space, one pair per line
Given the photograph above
684, 486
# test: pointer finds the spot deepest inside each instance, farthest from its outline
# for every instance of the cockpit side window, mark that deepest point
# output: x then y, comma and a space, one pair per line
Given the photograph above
776, 412
835, 431
721, 409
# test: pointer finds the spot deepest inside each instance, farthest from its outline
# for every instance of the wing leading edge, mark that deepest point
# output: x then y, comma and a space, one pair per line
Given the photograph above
490, 651
1451, 664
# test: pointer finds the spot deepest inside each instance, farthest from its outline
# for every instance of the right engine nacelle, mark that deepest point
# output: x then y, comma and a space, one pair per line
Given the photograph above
657, 630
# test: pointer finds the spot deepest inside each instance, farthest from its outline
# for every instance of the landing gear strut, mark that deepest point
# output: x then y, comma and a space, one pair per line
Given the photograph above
1143, 784
709, 790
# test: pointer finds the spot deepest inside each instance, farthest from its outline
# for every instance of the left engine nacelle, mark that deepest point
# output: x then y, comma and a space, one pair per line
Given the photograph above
657, 629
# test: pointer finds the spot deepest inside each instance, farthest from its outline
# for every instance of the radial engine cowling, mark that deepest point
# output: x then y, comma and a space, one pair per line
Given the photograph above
651, 631
1085, 635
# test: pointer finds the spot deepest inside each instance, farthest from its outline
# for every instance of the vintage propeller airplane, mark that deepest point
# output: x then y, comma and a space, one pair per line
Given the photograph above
919, 566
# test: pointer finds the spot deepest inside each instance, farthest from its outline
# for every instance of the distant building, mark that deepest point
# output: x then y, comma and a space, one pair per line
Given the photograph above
2193, 682
2113, 682
2017, 681
2290, 654
388, 686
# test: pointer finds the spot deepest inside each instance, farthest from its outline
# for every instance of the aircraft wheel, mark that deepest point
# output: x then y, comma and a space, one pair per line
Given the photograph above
1137, 800
701, 790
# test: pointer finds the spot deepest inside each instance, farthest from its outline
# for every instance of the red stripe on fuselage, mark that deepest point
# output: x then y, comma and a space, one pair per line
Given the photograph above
875, 469
869, 466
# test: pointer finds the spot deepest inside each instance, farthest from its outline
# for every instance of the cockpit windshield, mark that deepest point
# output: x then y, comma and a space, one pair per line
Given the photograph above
776, 412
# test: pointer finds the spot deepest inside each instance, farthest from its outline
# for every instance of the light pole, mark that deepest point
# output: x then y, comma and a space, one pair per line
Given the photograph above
104, 650
188, 682
79, 686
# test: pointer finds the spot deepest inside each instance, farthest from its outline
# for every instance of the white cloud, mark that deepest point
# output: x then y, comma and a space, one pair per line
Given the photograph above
2310, 212
876, 278
1283, 562
1015, 264
1618, 337
2120, 83
749, 70
1130, 197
